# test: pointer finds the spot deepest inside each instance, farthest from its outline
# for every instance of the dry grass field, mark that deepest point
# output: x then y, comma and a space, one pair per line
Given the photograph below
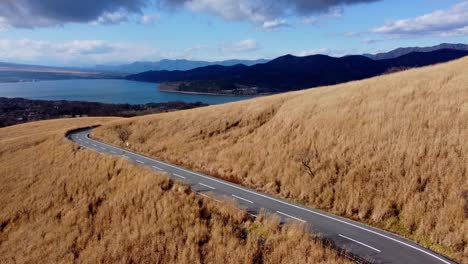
391, 151
64, 204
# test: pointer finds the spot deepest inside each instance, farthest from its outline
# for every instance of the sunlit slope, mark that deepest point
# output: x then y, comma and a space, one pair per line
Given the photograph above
391, 151
64, 204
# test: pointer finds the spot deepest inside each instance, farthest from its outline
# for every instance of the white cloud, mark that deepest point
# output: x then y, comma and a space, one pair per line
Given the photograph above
449, 22
3, 24
196, 48
273, 25
90, 52
111, 18
229, 50
187, 53
261, 10
149, 19
267, 15
120, 17
77, 51
335, 12
46, 13
246, 45
230, 10
309, 20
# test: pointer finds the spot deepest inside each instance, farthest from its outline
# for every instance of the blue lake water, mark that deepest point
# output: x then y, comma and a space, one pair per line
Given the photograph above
105, 91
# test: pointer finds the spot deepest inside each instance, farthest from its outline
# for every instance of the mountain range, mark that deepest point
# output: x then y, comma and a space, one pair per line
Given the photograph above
185, 65
403, 51
170, 65
14, 72
289, 72
258, 74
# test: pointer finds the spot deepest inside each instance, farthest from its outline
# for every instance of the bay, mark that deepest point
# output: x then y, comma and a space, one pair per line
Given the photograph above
105, 91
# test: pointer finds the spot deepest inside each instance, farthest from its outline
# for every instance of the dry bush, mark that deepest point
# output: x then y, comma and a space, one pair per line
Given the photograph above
65, 204
123, 133
393, 149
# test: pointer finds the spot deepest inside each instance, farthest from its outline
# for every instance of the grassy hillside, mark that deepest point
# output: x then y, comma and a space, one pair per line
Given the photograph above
63, 204
391, 151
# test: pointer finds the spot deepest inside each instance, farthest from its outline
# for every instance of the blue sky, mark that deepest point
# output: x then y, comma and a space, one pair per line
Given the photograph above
79, 33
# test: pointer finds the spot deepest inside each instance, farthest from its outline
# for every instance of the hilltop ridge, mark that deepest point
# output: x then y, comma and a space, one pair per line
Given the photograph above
289, 73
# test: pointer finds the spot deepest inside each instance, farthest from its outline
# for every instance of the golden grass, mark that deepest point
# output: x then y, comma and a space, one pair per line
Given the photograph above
64, 204
390, 151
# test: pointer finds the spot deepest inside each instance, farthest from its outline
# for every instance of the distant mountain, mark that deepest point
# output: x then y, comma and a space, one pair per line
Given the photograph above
403, 51
288, 72
171, 65
12, 72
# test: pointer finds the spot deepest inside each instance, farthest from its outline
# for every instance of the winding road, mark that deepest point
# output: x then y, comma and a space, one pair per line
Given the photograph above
365, 242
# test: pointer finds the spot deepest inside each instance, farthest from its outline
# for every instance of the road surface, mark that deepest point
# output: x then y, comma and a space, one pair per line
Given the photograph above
365, 242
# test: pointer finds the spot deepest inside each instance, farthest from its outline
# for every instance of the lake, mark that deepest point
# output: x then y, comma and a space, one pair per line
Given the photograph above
104, 91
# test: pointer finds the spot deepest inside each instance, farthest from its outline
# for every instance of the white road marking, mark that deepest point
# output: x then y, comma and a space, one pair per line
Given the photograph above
360, 243
113, 152
290, 216
337, 219
310, 211
157, 168
94, 145
177, 175
213, 188
240, 198
89, 149
139, 161
102, 148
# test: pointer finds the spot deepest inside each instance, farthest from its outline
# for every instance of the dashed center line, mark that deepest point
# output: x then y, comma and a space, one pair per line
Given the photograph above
240, 198
360, 243
213, 188
103, 148
139, 161
177, 175
290, 216
94, 145
113, 152
157, 168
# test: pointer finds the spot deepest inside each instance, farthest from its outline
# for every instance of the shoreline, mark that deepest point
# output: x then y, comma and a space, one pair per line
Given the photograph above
214, 94
21, 110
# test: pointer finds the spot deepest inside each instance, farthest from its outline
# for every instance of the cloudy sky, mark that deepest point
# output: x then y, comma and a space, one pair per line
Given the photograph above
88, 32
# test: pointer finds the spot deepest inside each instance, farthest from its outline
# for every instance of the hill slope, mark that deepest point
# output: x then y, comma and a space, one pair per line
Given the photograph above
64, 204
289, 73
390, 151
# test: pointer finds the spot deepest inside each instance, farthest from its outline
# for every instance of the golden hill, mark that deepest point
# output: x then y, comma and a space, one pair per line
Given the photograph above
391, 151
64, 204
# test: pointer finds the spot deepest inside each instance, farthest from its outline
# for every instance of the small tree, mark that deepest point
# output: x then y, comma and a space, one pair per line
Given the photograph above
123, 133
309, 160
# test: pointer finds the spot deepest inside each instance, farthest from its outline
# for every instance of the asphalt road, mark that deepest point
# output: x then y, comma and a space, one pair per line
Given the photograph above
366, 242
